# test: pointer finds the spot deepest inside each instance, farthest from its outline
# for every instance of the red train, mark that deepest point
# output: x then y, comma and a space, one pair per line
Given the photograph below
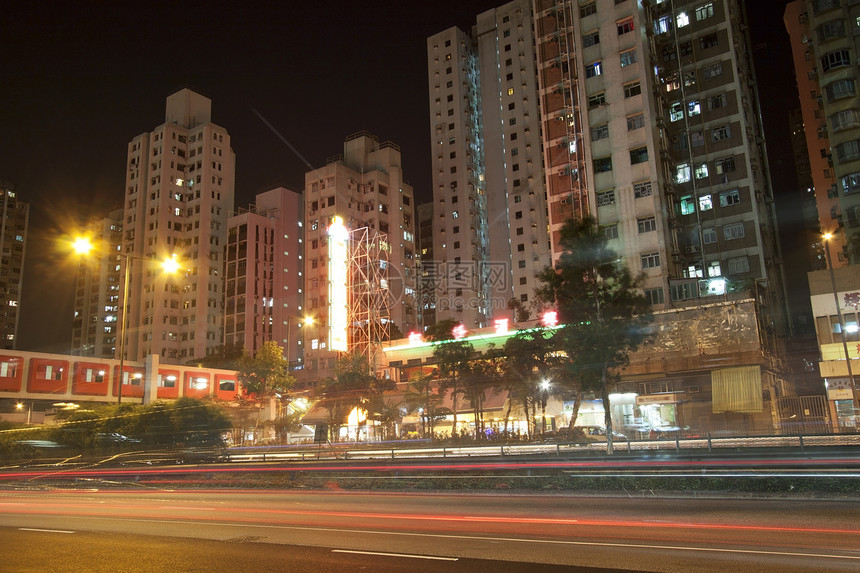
53, 376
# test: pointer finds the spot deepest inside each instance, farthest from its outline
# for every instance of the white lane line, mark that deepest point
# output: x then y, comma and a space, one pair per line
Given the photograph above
489, 538
396, 555
44, 530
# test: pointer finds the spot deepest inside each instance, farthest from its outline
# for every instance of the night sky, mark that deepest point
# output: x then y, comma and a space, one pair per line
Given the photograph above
80, 80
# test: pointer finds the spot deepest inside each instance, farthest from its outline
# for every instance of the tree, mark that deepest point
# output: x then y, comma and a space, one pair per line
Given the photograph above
423, 398
532, 363
480, 376
605, 316
353, 386
225, 357
264, 377
452, 361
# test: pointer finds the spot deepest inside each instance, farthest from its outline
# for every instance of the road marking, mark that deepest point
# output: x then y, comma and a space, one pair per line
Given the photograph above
44, 530
488, 538
395, 555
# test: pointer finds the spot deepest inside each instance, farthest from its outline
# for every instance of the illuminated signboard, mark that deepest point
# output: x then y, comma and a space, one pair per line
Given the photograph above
459, 331
338, 244
549, 318
415, 338
501, 325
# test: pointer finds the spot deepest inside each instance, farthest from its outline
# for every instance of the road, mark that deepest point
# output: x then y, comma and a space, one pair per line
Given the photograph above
684, 535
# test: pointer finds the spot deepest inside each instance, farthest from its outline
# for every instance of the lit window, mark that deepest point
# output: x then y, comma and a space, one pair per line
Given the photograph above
688, 205
704, 12
592, 70
705, 203
682, 173
628, 58
682, 20
701, 171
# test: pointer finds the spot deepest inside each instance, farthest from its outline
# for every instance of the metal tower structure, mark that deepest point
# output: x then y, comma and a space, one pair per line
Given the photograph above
369, 294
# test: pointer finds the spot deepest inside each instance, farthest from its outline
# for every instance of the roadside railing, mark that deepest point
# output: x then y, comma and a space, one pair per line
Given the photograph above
400, 451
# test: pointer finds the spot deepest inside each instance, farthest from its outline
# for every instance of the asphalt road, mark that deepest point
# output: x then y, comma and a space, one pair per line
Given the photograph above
152, 530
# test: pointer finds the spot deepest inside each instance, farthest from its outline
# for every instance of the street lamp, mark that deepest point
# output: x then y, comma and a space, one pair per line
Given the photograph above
20, 406
827, 237
83, 246
302, 321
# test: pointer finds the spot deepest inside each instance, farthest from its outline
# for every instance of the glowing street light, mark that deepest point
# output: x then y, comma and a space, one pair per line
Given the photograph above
83, 246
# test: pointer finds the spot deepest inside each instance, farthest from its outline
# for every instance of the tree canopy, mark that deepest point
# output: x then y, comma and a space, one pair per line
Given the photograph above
604, 313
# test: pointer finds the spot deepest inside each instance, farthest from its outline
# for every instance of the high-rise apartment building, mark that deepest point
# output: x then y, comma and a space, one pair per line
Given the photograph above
97, 292
365, 189
264, 267
649, 123
426, 279
13, 240
652, 125
490, 231
825, 38
178, 196
815, 99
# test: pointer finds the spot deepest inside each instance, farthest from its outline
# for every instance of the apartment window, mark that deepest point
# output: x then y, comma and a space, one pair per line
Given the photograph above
591, 39
721, 133
624, 26
693, 271
596, 100
603, 164
830, 30
508, 62
682, 173
520, 231
843, 119
840, 89
738, 265
654, 295
610, 231
521, 247
851, 183
506, 34
450, 84
704, 12
605, 198
509, 76
507, 47
693, 108
714, 269
848, 151
676, 111
636, 121
593, 70
448, 70
709, 235
697, 139
663, 24
708, 41
682, 20
518, 215
641, 190
633, 89
729, 198
638, 155
510, 91
701, 170
650, 260
521, 264
706, 203
628, 58
588, 9
647, 224
835, 59
600, 132
685, 49
712, 71
687, 205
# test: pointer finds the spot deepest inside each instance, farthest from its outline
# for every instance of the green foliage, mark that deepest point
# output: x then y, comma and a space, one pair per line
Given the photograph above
605, 315
354, 386
441, 330
266, 375
225, 357
532, 362
422, 398
452, 361
185, 421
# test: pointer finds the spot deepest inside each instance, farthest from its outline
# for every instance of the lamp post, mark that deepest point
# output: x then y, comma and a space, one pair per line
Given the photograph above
20, 406
827, 237
82, 246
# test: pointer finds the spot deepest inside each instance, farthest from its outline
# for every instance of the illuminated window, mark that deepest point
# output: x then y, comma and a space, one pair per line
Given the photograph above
510, 91
682, 20
705, 203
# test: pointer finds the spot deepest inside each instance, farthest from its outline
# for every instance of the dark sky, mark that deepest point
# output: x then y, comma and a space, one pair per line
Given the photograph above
79, 80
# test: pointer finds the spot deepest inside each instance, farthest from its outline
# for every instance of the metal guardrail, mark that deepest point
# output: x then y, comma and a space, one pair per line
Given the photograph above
372, 452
